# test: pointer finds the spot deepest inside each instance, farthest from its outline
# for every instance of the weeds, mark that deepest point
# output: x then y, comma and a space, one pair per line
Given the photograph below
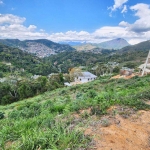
46, 124
105, 122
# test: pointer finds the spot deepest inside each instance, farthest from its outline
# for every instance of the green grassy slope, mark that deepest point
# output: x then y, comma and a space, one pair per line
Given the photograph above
46, 121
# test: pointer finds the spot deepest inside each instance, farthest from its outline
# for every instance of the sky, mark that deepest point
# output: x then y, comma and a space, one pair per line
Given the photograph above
91, 21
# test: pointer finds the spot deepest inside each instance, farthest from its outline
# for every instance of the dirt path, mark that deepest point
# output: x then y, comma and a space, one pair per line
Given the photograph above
132, 133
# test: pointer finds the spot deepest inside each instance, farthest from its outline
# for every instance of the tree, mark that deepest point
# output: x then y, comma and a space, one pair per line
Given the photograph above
74, 72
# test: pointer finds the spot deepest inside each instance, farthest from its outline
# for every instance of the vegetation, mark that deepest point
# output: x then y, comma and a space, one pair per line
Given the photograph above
67, 60
13, 60
15, 90
46, 121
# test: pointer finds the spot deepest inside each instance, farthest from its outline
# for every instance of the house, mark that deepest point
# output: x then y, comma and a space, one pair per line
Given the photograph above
84, 77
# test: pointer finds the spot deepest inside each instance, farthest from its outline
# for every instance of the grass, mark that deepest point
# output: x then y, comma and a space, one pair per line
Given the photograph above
45, 121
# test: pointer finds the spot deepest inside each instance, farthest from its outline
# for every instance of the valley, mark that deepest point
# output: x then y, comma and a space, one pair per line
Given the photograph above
105, 113
74, 75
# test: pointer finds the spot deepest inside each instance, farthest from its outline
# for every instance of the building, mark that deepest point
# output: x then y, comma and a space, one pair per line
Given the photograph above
84, 77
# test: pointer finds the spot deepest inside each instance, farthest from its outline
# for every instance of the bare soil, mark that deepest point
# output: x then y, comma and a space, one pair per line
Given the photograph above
127, 130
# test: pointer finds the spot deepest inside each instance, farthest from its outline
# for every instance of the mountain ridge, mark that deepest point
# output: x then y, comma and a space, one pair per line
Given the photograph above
145, 45
40, 47
114, 44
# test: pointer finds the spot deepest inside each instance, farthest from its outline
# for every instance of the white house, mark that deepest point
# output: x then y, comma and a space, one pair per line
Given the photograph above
85, 77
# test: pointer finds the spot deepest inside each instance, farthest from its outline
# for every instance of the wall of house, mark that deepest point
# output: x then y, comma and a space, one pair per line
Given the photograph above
84, 79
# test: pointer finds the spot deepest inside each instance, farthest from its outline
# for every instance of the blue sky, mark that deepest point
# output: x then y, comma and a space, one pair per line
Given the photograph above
75, 20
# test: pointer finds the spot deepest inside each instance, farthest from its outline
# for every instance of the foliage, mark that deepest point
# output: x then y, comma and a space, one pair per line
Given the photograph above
1, 115
23, 61
45, 121
12, 92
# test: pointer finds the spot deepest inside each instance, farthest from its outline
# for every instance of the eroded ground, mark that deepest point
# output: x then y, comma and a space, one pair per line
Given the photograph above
122, 129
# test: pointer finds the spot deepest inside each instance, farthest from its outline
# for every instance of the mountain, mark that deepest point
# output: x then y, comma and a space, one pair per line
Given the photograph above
137, 47
112, 44
40, 47
13, 59
85, 47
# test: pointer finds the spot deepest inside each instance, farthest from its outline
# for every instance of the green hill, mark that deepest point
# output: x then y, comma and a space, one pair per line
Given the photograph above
113, 44
54, 120
137, 47
40, 47
12, 59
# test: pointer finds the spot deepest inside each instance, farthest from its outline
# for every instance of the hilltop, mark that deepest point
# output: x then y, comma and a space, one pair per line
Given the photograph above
137, 47
40, 47
15, 60
114, 44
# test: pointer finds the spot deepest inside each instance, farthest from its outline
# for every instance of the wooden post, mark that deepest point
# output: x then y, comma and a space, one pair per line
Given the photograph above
148, 57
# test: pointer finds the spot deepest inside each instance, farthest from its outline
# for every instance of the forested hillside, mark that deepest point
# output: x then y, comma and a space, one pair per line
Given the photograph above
67, 60
19, 66
40, 47
19, 59
137, 47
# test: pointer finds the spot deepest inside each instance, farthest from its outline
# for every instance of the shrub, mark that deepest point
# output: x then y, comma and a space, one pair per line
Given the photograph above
105, 122
79, 95
96, 110
91, 94
1, 115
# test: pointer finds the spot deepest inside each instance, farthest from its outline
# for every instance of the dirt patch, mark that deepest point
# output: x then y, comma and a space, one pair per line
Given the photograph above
148, 102
131, 133
123, 76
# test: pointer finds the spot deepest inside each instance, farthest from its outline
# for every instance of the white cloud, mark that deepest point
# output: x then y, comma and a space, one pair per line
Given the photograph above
11, 19
70, 36
12, 26
142, 11
142, 24
118, 4
32, 28
124, 10
123, 24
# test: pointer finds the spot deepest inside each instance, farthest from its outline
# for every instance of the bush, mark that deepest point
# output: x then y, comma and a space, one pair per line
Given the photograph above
1, 115
105, 122
91, 94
